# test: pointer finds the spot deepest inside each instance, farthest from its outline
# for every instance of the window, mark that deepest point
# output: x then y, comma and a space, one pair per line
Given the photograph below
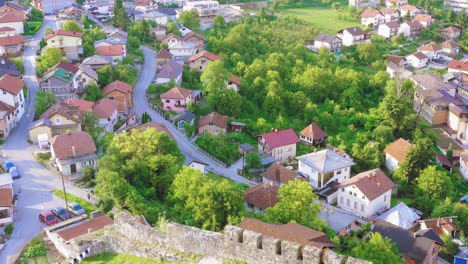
216, 131
338, 172
342, 189
167, 101
362, 207
385, 198
4, 92
347, 202
341, 200
355, 194
363, 197
203, 61
350, 193
57, 120
250, 206
355, 205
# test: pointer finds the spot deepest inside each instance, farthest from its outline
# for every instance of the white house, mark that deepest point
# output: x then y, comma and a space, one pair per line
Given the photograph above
371, 16
431, 50
12, 20
322, 167
198, 165
410, 29
409, 10
12, 94
353, 36
388, 29
417, 60
330, 42
464, 164
106, 110
395, 153
84, 77
203, 8
389, 14
366, 194
183, 49
154, 15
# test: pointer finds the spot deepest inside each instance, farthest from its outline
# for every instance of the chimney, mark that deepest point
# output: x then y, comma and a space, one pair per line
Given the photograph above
90, 230
74, 151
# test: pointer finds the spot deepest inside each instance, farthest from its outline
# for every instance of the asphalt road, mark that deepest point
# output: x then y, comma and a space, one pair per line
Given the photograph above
36, 182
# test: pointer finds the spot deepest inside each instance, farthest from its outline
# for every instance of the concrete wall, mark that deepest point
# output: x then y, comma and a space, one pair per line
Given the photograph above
129, 236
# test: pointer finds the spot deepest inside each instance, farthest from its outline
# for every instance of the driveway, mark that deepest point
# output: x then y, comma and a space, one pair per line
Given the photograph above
36, 182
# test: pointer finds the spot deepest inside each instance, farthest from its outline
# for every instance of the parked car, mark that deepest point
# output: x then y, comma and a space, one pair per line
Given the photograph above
8, 165
76, 208
14, 173
60, 212
48, 218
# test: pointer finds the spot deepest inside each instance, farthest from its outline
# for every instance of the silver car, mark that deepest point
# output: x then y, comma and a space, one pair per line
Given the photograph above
76, 208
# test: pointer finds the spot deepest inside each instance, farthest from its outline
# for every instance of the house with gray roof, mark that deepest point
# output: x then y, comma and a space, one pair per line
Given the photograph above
330, 42
59, 82
401, 215
341, 221
322, 167
170, 71
182, 119
96, 62
84, 77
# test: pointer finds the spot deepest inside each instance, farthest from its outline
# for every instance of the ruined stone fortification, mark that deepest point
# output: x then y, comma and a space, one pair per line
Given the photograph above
129, 236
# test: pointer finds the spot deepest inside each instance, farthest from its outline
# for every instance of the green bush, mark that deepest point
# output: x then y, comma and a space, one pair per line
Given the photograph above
36, 250
44, 156
219, 147
9, 229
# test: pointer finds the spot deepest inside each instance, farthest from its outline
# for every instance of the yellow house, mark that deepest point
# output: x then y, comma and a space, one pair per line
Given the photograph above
70, 42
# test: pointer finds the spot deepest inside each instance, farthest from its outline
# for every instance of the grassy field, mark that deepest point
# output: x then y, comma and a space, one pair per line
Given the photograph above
72, 198
109, 258
321, 16
30, 28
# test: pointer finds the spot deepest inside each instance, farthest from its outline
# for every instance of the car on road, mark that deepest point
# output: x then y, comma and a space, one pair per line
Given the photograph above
76, 208
14, 173
48, 218
60, 212
8, 165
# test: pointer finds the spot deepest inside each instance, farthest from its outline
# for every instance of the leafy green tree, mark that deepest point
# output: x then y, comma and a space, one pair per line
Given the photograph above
93, 93
36, 15
48, 30
171, 27
252, 161
105, 204
450, 152
367, 52
51, 56
219, 22
205, 202
450, 249
91, 125
214, 77
8, 229
448, 208
297, 203
124, 73
85, 21
434, 183
120, 19
416, 160
145, 118
368, 156
378, 249
226, 102
88, 174
71, 25
190, 19
44, 100
104, 75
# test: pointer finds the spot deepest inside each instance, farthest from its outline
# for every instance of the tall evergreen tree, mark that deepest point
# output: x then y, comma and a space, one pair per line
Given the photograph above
120, 19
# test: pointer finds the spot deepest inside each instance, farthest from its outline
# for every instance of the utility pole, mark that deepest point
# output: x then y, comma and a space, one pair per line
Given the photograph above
64, 193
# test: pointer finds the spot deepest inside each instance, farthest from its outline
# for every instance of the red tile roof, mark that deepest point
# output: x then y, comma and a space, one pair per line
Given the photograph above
172, 35
398, 149
278, 173
176, 93
85, 227
279, 138
372, 183
419, 55
448, 44
83, 105
458, 65
164, 54
12, 40
66, 66
193, 34
424, 18
438, 225
289, 232
451, 29
6, 29
443, 160
119, 86
105, 108
368, 13
6, 197
395, 59
313, 131
11, 84
7, 108
235, 79
66, 110
11, 17
429, 47
388, 11
408, 7
62, 32
214, 118
210, 56
80, 141
264, 195
114, 50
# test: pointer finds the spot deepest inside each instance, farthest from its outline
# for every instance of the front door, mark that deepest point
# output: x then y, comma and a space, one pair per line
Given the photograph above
73, 168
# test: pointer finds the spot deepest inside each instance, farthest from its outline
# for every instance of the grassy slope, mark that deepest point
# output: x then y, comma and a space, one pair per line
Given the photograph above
108, 258
72, 198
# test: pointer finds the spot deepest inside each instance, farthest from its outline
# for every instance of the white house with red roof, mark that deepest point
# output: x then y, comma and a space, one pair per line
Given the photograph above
366, 194
107, 112
371, 16
12, 20
417, 60
12, 94
70, 42
178, 98
280, 144
458, 66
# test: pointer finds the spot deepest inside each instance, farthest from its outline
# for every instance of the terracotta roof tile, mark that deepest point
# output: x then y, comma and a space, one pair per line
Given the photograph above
71, 112
172, 35
114, 50
448, 44
12, 40
368, 13
388, 11
214, 118
105, 108
278, 173
164, 54
85, 227
6, 108
313, 131
372, 183
398, 149
82, 142
210, 56
419, 55
451, 29
395, 59
11, 17
279, 138
289, 232
235, 79
424, 18
193, 34
263, 196
429, 47
438, 225
11, 84
66, 66
83, 105
176, 93
458, 65
62, 32
119, 86
6, 197
408, 7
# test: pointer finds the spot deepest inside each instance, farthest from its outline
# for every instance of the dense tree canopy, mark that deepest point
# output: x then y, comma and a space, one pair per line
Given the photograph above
190, 19
378, 250
44, 100
120, 19
71, 25
51, 56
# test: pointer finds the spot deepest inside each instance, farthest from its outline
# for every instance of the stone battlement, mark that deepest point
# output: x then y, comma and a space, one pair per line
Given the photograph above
129, 236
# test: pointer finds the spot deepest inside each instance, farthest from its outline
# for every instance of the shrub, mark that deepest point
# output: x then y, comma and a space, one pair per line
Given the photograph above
105, 204
44, 156
9, 229
88, 174
36, 250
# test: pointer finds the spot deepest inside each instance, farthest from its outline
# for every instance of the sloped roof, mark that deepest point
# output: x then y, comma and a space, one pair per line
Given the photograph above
80, 141
97, 59
279, 138
89, 71
289, 232
164, 54
118, 86
82, 105
325, 161
206, 54
234, 79
325, 38
449, 44
41, 122
114, 50
214, 118
372, 183
63, 109
278, 173
169, 36
400, 215
368, 13
11, 84
264, 195
429, 47
6, 197
6, 108
193, 34
10, 17
398, 149
395, 59
458, 65
59, 73
392, 24
408, 7
438, 225
313, 131
11, 40
84, 227
451, 29
62, 32
105, 108
422, 17
66, 66
171, 70
388, 11
176, 93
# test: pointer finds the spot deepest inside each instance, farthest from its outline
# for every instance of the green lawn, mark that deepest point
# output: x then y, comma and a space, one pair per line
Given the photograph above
72, 198
324, 18
111, 258
30, 28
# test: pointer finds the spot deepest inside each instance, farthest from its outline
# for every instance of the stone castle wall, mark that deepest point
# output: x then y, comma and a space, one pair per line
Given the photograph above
129, 236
